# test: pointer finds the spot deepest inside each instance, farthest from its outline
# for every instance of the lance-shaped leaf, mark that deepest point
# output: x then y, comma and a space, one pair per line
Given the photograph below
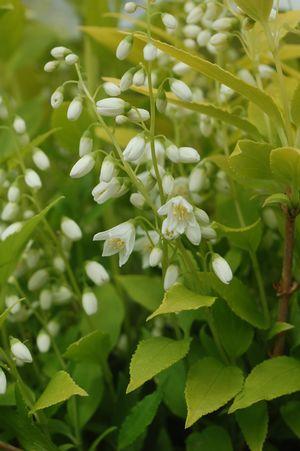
253, 422
93, 347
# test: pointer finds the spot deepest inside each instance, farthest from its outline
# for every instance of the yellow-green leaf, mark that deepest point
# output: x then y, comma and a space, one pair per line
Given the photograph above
285, 165
256, 9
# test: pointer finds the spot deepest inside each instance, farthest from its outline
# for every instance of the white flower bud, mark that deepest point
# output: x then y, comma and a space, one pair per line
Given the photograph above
223, 24
12, 303
89, 303
139, 77
194, 15
121, 119
265, 71
246, 76
59, 52
171, 276
191, 31
106, 190
193, 233
168, 184
126, 80
181, 68
189, 43
203, 38
19, 125
62, 295
201, 216
134, 149
111, 89
10, 211
111, 107
3, 382
172, 152
53, 328
70, 229
137, 200
155, 256
96, 272
188, 155
13, 194
43, 342
181, 90
32, 179
75, 109
188, 6
13, 228
71, 59
59, 264
82, 167
20, 351
57, 98
50, 66
28, 214
209, 233
124, 48
218, 40
38, 280
130, 7
150, 52
138, 115
40, 159
107, 170
161, 102
85, 144
221, 269
197, 180
45, 299
169, 21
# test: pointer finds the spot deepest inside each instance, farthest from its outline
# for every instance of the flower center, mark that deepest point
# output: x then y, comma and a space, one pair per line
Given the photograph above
180, 212
116, 243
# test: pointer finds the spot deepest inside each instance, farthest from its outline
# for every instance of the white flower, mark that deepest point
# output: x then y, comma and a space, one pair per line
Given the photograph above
71, 59
43, 342
168, 184
59, 52
111, 107
10, 211
134, 149
221, 268
19, 125
71, 229
126, 80
82, 166
28, 214
159, 149
194, 15
20, 351
121, 119
124, 48
189, 43
180, 219
139, 77
89, 303
265, 71
171, 276
169, 21
85, 144
32, 179
57, 98
188, 155
12, 303
45, 299
3, 382
40, 159
150, 52
155, 256
50, 66
107, 190
137, 200
181, 90
38, 280
145, 244
111, 89
203, 38
13, 194
130, 7
246, 76
75, 109
107, 170
118, 240
96, 272
138, 115
15, 227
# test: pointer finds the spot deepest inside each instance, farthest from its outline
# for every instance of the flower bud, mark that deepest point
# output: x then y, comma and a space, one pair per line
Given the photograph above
265, 71
181, 68
223, 24
59, 52
121, 119
181, 90
193, 233
15, 227
209, 233
124, 48
218, 40
40, 159
107, 170
50, 66
70, 229
28, 214
62, 295
197, 179
137, 200
155, 257
43, 342
3, 382
150, 52
38, 280
188, 6
20, 351
138, 115
134, 149
189, 44
172, 152
82, 167
75, 109
139, 78
126, 80
32, 179
19, 125
221, 269
57, 98
10, 211
191, 31
194, 15
246, 76
168, 184
12, 303
96, 272
201, 216
71, 59
111, 107
13, 194
53, 328
111, 89
85, 144
203, 38
130, 7
161, 102
89, 303
171, 276
59, 264
169, 21
188, 155
45, 299
106, 190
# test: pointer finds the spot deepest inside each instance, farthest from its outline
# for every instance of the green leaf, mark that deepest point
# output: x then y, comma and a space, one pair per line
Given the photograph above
268, 380
247, 238
93, 347
278, 198
146, 291
178, 298
279, 327
290, 412
209, 386
285, 165
237, 336
174, 399
295, 107
253, 422
153, 356
60, 388
256, 9
139, 418
13, 19
13, 246
212, 438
